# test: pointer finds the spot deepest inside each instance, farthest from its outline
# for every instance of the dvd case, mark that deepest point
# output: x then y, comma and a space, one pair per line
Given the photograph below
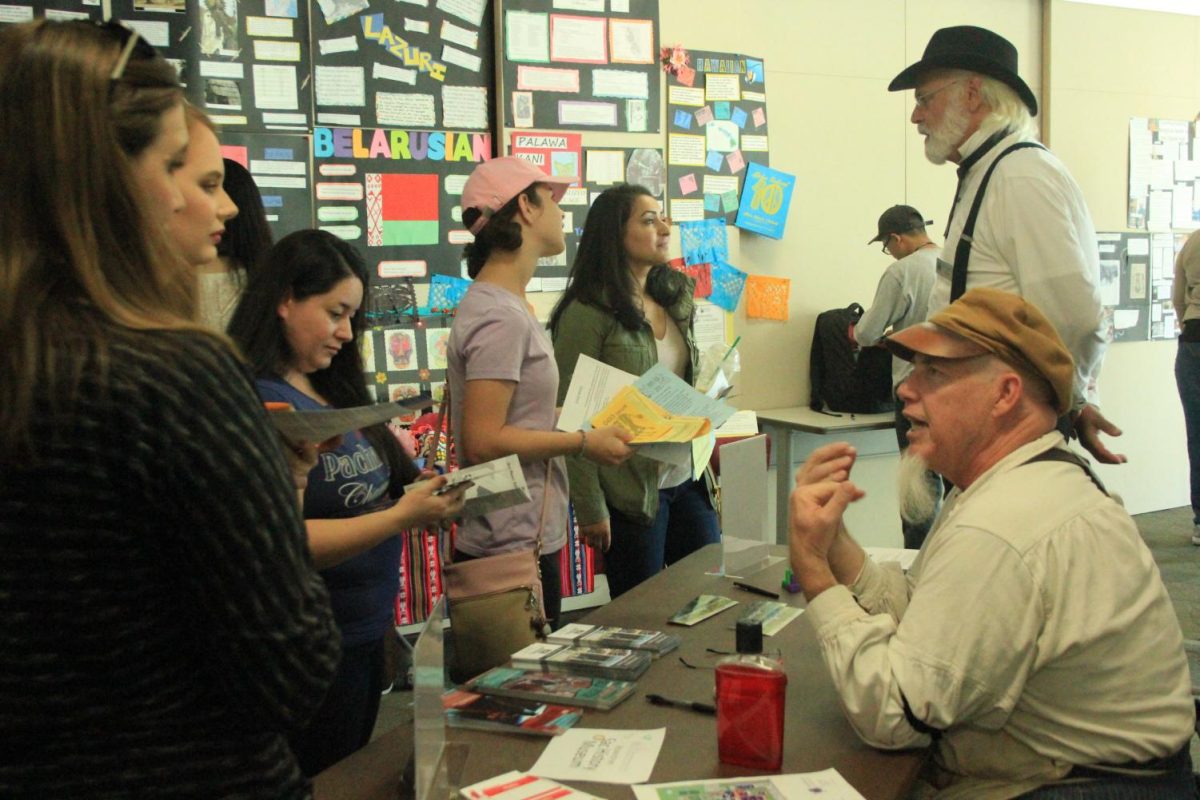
654, 642
600, 662
486, 712
552, 687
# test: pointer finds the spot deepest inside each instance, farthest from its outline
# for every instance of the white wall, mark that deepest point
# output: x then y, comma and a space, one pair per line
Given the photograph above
1108, 65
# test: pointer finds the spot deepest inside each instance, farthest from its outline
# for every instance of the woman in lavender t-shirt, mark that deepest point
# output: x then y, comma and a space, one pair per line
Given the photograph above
502, 375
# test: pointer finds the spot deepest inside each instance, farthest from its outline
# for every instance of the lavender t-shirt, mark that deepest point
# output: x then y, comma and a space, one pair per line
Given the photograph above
494, 337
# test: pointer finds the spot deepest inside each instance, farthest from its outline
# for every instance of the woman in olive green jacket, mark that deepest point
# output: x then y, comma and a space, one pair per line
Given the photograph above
626, 308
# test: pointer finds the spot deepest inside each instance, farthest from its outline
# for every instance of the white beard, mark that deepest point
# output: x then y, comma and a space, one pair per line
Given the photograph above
942, 142
919, 497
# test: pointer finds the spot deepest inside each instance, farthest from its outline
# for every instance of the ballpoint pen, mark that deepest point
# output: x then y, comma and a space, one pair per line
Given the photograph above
756, 590
703, 708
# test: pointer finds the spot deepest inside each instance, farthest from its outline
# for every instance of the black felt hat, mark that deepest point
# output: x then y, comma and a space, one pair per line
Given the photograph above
973, 49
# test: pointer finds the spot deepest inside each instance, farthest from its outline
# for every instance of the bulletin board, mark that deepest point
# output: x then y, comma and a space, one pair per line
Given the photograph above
582, 65
716, 124
1124, 285
1136, 274
407, 358
1164, 175
245, 62
395, 194
50, 9
382, 63
279, 164
1164, 249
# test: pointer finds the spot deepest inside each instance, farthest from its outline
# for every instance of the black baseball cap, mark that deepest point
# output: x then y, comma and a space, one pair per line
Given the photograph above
899, 219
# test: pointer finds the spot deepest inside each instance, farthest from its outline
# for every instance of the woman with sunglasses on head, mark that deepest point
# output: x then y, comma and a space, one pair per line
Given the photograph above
626, 308
298, 324
162, 625
244, 244
501, 373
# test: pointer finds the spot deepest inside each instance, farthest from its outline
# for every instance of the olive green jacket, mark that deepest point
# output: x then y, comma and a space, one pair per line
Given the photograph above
631, 488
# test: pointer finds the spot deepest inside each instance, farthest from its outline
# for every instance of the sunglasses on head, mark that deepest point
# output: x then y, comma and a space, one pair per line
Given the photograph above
132, 43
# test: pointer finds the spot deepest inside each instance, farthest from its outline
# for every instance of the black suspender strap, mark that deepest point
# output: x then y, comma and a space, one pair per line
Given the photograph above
1067, 457
962, 253
920, 726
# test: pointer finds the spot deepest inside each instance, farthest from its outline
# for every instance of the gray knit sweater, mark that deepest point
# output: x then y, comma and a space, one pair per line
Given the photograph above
161, 626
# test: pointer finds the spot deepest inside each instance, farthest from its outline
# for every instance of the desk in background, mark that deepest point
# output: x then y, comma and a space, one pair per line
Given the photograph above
871, 434
816, 734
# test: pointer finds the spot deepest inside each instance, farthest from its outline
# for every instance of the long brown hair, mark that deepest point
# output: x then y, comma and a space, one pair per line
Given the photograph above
81, 259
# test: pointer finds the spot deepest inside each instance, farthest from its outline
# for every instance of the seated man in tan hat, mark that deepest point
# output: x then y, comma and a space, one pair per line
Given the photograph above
1032, 641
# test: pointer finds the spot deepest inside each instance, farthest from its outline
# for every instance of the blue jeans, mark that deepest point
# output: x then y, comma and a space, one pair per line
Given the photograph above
346, 719
685, 523
1187, 379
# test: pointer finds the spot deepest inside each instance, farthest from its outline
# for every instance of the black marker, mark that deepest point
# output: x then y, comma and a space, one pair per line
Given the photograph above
659, 700
756, 590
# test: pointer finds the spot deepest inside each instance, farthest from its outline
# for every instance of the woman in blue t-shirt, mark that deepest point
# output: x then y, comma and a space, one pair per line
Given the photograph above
296, 325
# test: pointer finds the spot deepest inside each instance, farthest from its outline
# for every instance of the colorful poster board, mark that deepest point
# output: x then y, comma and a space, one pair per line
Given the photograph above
582, 65
279, 164
717, 124
246, 62
387, 64
395, 194
11, 13
556, 153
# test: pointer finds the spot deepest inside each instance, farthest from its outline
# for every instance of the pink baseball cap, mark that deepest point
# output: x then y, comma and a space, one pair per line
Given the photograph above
495, 182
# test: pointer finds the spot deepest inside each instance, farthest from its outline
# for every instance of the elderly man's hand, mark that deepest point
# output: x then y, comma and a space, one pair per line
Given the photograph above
814, 521
1089, 424
830, 462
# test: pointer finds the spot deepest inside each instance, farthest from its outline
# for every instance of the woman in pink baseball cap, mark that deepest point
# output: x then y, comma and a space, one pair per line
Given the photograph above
502, 376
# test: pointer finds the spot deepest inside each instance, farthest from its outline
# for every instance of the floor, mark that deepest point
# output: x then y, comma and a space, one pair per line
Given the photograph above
1168, 534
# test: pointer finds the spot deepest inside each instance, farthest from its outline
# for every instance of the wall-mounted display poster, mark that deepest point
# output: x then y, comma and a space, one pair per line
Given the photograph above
716, 125
580, 64
403, 65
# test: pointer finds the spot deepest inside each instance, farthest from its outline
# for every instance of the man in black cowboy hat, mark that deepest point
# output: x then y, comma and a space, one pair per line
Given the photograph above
1019, 222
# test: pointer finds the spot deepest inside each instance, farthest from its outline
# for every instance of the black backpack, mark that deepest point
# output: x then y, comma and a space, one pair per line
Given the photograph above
843, 379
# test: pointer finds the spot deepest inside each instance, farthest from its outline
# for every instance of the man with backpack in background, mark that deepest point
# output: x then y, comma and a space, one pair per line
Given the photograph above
1034, 235
902, 300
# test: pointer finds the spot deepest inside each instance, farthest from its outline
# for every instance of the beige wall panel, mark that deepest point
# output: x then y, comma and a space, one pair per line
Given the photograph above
1122, 51
1091, 136
1108, 65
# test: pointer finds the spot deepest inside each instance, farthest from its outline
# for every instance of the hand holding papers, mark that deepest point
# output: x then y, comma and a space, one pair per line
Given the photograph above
493, 485
322, 424
647, 422
594, 385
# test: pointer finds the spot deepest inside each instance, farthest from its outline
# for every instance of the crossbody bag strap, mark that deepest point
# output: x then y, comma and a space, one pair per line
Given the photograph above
444, 416
962, 253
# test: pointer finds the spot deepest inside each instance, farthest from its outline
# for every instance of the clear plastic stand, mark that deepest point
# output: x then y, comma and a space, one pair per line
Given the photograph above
438, 763
743, 558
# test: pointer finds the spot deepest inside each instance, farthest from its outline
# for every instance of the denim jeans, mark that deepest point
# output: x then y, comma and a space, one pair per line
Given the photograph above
685, 523
346, 719
1187, 379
